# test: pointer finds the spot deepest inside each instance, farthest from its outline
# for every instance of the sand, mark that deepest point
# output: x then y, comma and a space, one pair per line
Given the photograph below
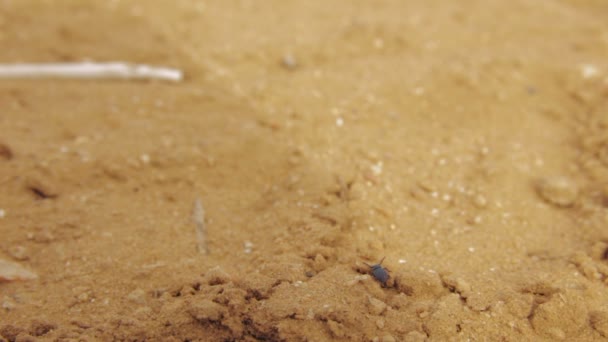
464, 141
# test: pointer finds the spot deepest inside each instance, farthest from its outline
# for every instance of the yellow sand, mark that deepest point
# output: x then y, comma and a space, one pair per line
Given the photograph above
465, 141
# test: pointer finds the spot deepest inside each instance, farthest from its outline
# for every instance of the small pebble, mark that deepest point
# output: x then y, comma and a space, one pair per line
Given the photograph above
18, 253
559, 191
289, 62
2, 213
376, 306
10, 271
248, 247
588, 70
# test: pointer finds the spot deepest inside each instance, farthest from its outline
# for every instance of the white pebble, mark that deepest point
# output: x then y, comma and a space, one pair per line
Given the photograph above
559, 191
10, 271
248, 247
339, 122
376, 168
588, 70
2, 213
289, 61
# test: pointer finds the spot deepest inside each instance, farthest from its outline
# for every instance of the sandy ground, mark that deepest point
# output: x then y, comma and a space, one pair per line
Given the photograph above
464, 141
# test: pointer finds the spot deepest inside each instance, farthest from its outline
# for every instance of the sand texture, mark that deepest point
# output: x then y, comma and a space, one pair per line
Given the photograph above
464, 141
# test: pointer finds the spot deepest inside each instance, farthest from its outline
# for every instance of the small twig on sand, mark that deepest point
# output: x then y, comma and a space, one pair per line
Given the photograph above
89, 70
198, 216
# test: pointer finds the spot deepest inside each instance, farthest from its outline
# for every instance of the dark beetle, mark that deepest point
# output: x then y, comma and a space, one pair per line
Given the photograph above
379, 272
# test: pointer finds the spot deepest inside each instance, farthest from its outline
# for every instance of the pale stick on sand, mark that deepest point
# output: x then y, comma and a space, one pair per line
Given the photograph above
90, 70
198, 216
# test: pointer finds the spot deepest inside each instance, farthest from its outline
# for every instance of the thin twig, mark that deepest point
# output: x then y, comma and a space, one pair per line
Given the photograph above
89, 70
198, 216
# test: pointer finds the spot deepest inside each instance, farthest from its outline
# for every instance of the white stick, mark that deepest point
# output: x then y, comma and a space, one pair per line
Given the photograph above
198, 216
90, 70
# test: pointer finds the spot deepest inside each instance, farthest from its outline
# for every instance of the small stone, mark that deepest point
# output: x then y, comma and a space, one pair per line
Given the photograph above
376, 306
289, 62
18, 253
10, 271
380, 323
248, 247
558, 191
588, 70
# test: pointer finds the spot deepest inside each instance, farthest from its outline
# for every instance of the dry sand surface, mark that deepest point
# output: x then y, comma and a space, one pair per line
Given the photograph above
465, 141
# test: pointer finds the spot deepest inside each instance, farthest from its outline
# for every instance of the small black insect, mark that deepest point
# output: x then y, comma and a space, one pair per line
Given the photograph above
379, 272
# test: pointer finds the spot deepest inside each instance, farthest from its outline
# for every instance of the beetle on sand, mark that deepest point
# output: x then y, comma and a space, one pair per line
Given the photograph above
379, 272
